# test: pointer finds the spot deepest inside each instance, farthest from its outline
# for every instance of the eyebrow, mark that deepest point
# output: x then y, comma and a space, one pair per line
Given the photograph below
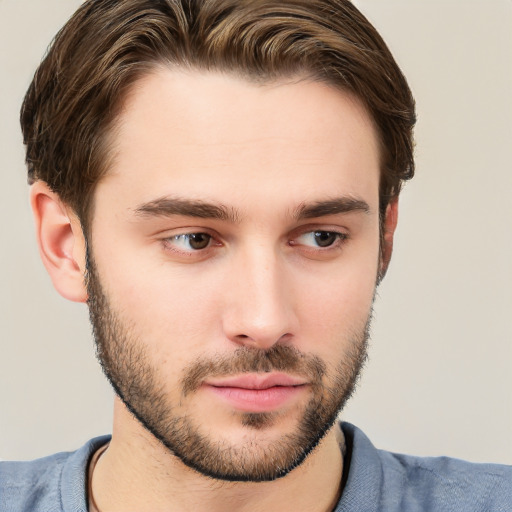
331, 207
170, 206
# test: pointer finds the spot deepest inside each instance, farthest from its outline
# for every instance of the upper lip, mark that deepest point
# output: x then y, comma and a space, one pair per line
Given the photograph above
256, 381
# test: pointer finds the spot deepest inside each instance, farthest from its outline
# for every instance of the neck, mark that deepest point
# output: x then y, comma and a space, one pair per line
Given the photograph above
136, 472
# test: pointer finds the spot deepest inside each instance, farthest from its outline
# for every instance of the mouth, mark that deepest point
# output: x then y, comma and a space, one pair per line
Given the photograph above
255, 393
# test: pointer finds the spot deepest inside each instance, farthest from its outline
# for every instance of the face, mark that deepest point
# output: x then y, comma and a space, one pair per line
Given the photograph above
234, 255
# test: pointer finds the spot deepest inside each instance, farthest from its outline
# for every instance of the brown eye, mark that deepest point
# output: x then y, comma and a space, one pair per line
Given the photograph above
189, 242
325, 238
320, 239
199, 241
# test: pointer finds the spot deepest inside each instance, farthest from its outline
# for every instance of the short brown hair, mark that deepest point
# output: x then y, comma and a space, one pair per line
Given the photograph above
77, 91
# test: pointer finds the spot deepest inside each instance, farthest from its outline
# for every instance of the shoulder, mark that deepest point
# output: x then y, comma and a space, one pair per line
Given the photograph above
447, 482
51, 484
409, 483
30, 485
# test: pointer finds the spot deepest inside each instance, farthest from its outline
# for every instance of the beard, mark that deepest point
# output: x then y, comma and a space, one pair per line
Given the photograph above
140, 385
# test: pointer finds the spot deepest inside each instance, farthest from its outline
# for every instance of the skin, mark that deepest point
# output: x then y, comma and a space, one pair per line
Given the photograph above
263, 152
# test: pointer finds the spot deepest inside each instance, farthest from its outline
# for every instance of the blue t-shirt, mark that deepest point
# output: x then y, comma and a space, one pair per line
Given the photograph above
373, 481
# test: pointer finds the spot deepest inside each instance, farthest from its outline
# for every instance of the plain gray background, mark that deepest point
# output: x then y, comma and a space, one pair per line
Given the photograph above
439, 380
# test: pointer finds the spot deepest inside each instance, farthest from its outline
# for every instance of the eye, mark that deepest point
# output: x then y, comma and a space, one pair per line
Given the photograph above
320, 238
189, 242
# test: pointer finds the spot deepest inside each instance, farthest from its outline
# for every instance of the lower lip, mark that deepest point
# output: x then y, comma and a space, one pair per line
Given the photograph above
257, 400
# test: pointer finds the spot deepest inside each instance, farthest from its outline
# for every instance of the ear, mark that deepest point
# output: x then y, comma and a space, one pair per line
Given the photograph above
389, 227
61, 242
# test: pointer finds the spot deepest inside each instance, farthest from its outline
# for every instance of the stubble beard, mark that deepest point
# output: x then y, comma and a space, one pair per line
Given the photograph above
138, 384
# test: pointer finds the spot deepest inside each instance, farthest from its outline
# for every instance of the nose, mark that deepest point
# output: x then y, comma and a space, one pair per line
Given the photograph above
260, 309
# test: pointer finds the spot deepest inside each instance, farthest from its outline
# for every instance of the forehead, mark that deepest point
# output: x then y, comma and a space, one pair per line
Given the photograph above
213, 136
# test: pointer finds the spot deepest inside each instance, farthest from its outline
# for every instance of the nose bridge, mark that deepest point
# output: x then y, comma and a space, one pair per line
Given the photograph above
260, 313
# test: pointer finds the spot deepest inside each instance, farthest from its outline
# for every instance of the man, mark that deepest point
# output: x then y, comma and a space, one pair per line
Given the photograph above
219, 182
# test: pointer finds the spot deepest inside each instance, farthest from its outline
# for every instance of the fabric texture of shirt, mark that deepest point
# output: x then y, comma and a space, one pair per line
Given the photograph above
374, 481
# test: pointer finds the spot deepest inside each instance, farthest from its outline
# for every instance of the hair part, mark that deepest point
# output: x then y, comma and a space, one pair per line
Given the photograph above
69, 113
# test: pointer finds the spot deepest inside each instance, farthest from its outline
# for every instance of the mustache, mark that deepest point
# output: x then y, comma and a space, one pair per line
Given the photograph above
280, 358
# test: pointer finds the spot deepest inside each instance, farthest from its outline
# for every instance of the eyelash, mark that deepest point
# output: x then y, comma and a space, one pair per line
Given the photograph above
168, 243
339, 239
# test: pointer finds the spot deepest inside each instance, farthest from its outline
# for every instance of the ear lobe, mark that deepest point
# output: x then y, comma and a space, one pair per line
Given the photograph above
389, 228
61, 242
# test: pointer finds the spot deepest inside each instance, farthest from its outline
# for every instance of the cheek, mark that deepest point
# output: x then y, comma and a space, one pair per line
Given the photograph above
336, 305
171, 311
337, 313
